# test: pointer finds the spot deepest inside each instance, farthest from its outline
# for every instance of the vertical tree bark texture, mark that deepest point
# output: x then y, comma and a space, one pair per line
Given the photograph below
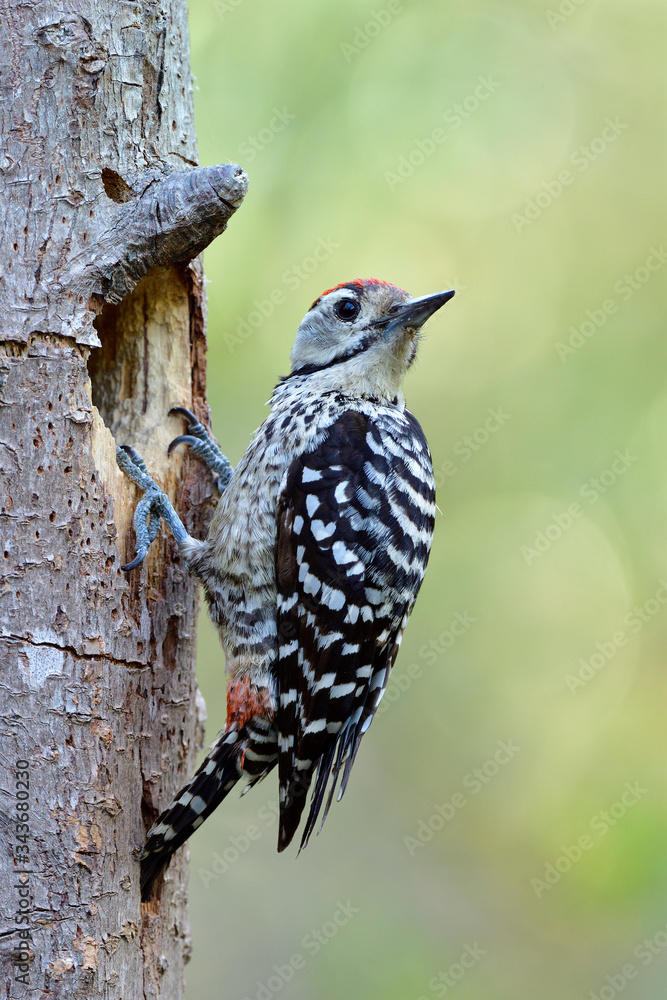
101, 332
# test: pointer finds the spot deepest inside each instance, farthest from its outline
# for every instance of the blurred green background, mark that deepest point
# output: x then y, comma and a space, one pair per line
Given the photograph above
503, 835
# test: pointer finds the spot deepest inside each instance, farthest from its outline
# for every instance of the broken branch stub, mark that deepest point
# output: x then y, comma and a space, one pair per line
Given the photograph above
169, 222
131, 226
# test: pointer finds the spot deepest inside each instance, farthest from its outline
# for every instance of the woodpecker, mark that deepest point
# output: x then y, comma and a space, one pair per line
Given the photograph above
312, 564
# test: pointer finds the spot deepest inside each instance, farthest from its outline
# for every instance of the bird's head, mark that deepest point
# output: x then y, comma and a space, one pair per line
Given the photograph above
364, 334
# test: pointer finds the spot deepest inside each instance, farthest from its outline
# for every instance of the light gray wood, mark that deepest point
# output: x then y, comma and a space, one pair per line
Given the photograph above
102, 317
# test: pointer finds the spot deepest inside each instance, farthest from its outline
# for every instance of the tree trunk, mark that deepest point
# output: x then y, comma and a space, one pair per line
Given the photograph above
101, 332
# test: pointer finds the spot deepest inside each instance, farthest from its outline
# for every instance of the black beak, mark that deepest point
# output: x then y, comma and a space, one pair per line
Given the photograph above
417, 311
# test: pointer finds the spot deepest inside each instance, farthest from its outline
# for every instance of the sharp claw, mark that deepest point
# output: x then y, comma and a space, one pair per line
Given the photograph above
181, 411
137, 561
189, 439
194, 426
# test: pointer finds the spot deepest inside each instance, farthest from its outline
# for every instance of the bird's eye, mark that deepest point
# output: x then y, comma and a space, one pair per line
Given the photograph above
347, 309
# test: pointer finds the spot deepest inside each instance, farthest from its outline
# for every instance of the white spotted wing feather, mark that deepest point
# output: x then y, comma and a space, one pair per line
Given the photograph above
354, 529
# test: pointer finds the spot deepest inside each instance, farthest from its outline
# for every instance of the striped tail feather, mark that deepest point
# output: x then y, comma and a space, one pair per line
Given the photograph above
205, 791
343, 750
339, 755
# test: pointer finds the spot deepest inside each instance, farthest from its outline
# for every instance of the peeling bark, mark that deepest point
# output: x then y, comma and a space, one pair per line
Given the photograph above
101, 331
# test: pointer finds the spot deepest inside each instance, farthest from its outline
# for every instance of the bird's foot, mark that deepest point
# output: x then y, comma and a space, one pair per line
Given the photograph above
204, 446
154, 504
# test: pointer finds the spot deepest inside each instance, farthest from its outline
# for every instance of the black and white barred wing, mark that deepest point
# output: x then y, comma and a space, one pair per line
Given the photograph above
354, 529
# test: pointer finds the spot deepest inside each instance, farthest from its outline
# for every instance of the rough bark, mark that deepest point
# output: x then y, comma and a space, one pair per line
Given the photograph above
101, 332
